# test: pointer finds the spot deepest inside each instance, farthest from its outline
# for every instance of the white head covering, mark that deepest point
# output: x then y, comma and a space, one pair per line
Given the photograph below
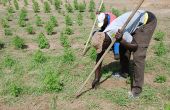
100, 19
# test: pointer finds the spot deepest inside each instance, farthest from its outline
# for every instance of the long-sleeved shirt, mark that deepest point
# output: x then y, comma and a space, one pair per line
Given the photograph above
138, 19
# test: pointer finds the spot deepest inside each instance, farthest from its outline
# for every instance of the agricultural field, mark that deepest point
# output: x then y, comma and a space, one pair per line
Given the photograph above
41, 62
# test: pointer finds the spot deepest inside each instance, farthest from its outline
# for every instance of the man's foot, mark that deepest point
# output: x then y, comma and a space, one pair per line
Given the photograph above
95, 83
120, 75
132, 95
116, 57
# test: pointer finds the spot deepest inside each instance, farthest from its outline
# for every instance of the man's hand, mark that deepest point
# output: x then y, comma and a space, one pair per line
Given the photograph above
119, 35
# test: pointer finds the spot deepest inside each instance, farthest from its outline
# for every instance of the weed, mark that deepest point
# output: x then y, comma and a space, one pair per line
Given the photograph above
92, 54
10, 9
116, 12
68, 21
80, 19
39, 57
30, 30
92, 15
15, 89
92, 6
1, 44
42, 41
51, 81
160, 49
47, 8
38, 21
64, 40
36, 6
103, 8
82, 7
54, 20
148, 95
57, 4
69, 31
160, 79
76, 5
8, 32
68, 56
69, 8
18, 42
5, 23
25, 2
159, 36
117, 96
9, 61
16, 5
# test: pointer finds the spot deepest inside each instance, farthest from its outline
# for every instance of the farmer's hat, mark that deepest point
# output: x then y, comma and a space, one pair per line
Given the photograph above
100, 19
97, 41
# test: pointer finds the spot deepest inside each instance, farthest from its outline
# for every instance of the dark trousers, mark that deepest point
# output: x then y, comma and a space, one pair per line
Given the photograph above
142, 37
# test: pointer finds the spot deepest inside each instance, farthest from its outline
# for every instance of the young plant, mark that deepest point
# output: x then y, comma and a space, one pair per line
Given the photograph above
82, 7
103, 8
69, 8
22, 23
54, 21
159, 36
39, 57
80, 19
23, 14
10, 9
116, 12
69, 31
57, 4
16, 5
160, 79
8, 32
36, 6
160, 49
9, 61
91, 6
42, 41
52, 82
47, 8
25, 2
49, 28
30, 29
5, 23
92, 15
15, 89
76, 5
68, 56
18, 42
64, 40
9, 16
38, 21
1, 44
68, 21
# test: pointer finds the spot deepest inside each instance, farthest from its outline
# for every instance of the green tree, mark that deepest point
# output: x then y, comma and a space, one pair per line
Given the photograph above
103, 8
80, 19
36, 6
57, 4
42, 41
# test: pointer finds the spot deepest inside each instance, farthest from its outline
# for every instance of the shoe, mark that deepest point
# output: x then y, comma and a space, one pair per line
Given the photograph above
116, 57
132, 95
120, 75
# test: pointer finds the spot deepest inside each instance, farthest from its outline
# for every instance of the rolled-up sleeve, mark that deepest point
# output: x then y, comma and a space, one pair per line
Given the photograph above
127, 37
